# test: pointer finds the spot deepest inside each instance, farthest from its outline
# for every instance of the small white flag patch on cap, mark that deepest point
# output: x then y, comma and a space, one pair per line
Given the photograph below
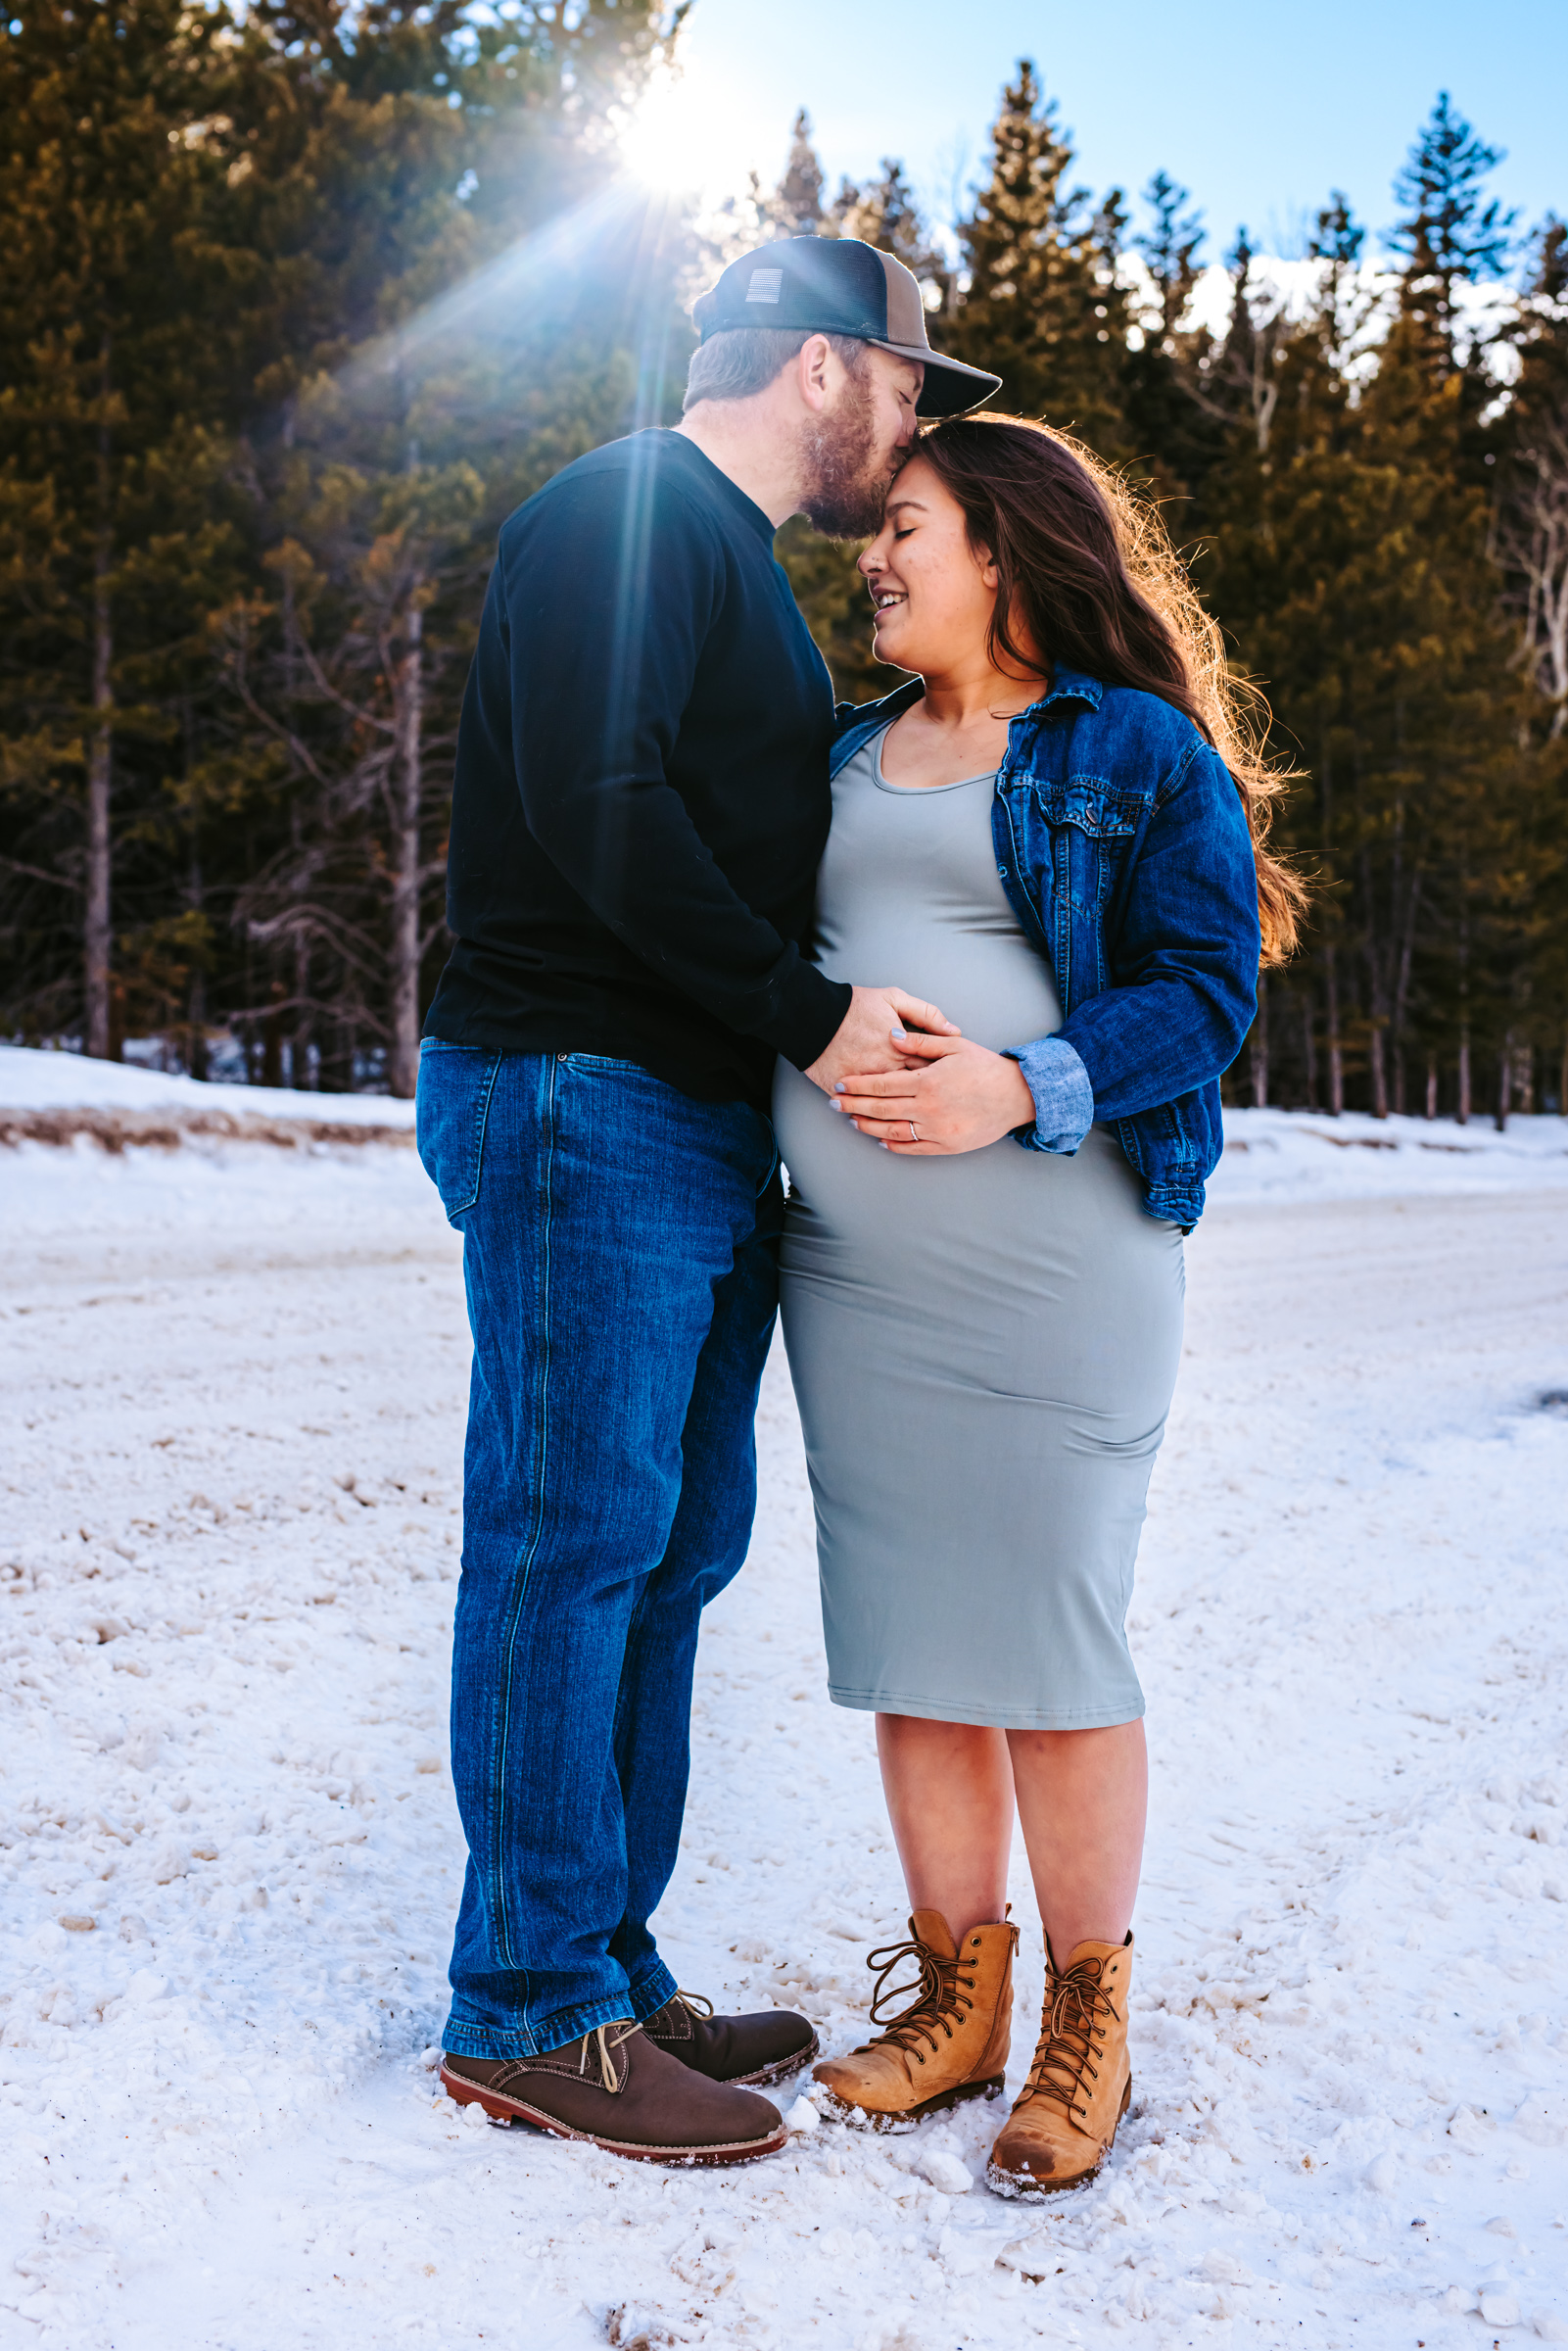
764, 285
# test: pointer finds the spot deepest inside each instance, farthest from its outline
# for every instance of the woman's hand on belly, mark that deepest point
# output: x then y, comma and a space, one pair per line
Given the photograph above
952, 1095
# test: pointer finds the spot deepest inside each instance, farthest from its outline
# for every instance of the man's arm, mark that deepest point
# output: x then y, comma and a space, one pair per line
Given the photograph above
608, 585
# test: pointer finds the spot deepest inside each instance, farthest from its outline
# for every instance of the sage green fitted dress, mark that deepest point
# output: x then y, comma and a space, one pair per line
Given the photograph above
984, 1347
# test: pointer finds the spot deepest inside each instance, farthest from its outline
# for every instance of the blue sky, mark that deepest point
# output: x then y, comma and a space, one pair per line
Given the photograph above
1258, 110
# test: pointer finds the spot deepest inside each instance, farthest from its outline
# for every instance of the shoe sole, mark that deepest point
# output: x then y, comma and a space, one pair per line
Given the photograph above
890, 2126
502, 2109
1020, 2189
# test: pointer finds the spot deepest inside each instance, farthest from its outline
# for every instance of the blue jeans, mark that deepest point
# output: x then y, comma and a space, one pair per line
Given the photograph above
619, 1254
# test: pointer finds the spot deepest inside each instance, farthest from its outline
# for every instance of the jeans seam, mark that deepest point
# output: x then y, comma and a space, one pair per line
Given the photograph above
498, 1877
481, 1126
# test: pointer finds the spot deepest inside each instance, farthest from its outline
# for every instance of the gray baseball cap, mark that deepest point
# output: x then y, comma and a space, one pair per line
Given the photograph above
839, 286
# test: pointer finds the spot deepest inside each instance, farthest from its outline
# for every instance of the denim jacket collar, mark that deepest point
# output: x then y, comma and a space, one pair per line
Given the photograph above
1069, 686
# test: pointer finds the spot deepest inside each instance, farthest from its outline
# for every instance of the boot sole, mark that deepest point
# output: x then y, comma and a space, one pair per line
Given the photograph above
502, 2109
1020, 2189
892, 2126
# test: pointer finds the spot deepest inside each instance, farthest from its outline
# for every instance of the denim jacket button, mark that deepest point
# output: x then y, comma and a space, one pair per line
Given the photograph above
1002, 869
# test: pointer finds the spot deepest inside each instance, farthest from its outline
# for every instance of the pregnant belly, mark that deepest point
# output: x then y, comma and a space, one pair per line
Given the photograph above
849, 1195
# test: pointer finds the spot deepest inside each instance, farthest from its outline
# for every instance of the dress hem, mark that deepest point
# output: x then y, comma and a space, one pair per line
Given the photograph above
990, 1718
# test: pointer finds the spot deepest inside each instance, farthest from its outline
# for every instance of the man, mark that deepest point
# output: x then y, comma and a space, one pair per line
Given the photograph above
640, 805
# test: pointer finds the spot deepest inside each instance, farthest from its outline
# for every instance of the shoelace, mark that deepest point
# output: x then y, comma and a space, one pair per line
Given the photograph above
1069, 2030
609, 2078
695, 2003
936, 1996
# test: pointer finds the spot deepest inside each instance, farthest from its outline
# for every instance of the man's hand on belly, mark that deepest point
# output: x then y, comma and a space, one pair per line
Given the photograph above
865, 1039
948, 1096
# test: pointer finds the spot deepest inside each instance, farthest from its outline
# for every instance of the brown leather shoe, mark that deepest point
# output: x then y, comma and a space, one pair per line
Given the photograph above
949, 2044
1065, 2120
617, 2090
742, 2050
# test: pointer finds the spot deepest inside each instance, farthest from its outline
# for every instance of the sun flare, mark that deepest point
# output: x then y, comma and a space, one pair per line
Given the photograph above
662, 140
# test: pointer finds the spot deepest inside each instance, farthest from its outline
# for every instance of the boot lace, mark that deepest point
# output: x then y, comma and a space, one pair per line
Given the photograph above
607, 2040
1071, 2032
939, 1995
695, 2004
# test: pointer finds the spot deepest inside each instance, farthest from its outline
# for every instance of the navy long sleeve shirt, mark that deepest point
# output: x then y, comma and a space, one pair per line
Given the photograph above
642, 799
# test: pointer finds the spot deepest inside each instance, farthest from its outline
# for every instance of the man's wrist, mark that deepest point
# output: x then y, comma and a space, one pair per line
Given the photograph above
817, 1009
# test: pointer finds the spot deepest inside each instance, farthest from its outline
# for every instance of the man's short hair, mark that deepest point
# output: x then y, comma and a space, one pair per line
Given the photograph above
744, 359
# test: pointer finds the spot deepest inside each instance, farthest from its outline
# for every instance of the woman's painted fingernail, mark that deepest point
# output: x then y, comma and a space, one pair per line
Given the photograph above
883, 1146
840, 1088
838, 1106
899, 1036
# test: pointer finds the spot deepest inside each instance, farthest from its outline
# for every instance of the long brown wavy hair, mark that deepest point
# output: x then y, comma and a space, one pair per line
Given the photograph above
1088, 576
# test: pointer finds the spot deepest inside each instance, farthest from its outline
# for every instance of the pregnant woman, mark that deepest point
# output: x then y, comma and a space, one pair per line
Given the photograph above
1054, 831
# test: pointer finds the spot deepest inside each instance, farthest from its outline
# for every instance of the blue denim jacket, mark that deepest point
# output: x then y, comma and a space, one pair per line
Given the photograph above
1125, 853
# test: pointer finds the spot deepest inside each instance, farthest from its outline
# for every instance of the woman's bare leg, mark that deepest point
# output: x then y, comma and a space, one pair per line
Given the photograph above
1082, 1796
949, 1788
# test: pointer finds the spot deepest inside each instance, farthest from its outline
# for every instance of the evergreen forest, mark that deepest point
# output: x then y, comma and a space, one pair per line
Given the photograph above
301, 300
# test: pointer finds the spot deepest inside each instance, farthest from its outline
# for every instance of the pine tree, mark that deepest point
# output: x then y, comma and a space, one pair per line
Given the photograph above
1042, 305
1452, 234
343, 175
1532, 528
110, 169
1174, 431
797, 209
1351, 565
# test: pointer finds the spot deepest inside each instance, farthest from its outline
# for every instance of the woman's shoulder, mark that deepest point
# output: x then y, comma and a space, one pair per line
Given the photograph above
1124, 727
868, 717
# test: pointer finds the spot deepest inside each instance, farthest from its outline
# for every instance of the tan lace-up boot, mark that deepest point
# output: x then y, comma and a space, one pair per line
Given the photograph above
1064, 2122
950, 2043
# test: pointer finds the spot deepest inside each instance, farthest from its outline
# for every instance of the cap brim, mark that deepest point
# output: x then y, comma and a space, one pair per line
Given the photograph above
949, 388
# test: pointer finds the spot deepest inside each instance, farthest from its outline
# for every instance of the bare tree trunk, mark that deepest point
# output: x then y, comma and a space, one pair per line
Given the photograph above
402, 1068
196, 1016
1505, 1081
1524, 1079
1259, 1049
301, 1074
1562, 1082
1463, 1111
1336, 1054
1310, 1048
272, 1037
98, 938
1464, 988
1431, 1086
1379, 1078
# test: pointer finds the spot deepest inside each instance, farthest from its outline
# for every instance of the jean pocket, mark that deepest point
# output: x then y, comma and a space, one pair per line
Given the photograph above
609, 1064
451, 1108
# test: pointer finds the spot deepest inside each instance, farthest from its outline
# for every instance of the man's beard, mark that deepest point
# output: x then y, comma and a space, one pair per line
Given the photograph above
846, 490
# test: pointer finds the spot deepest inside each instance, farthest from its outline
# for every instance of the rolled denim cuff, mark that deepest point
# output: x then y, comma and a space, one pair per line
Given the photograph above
1064, 1098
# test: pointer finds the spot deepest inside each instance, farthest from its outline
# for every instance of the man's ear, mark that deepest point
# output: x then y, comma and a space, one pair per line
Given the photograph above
813, 371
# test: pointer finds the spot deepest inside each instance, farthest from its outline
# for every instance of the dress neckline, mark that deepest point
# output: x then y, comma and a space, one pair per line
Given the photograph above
916, 792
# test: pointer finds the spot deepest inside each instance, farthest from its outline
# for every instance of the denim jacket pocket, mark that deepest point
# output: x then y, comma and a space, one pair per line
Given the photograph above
1091, 827
451, 1108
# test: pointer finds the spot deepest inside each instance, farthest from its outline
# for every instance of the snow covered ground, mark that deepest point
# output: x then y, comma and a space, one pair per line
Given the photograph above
233, 1385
